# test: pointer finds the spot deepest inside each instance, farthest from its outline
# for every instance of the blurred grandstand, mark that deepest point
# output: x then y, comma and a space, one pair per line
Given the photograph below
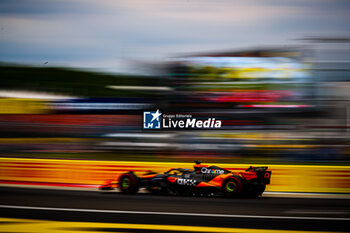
277, 105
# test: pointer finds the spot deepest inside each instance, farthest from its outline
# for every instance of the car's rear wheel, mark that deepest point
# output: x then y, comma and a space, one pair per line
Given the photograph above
231, 187
128, 183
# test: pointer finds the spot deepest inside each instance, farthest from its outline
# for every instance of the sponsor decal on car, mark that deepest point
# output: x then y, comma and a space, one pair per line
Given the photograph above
187, 182
212, 171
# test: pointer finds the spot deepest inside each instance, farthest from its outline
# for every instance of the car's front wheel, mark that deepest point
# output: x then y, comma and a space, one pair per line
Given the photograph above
128, 183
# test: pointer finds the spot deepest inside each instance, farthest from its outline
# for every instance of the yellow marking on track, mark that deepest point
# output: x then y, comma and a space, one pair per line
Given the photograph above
38, 226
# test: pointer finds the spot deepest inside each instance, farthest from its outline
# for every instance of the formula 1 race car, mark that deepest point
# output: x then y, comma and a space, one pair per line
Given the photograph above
203, 180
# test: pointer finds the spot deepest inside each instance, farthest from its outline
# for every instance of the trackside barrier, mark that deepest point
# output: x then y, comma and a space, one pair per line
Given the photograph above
285, 178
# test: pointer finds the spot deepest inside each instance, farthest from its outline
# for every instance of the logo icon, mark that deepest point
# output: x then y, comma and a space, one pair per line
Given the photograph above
151, 120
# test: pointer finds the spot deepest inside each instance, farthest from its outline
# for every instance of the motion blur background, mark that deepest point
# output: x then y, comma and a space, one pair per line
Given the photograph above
77, 75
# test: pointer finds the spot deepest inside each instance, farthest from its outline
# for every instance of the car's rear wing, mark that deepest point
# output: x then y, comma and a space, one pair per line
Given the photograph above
262, 174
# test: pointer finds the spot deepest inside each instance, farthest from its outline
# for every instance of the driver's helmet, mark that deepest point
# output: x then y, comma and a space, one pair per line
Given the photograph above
197, 167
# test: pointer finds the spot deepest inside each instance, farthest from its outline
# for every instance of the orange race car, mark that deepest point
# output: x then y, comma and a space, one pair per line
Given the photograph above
203, 180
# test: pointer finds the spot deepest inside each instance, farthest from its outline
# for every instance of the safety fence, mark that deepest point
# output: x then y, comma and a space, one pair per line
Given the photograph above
87, 173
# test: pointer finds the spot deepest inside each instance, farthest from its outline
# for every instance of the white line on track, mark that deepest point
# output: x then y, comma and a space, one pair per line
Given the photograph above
169, 213
300, 211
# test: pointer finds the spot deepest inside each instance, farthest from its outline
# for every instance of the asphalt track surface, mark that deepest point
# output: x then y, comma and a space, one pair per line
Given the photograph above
300, 214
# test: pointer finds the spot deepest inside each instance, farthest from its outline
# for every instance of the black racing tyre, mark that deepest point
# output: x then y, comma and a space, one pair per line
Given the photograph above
128, 183
232, 187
